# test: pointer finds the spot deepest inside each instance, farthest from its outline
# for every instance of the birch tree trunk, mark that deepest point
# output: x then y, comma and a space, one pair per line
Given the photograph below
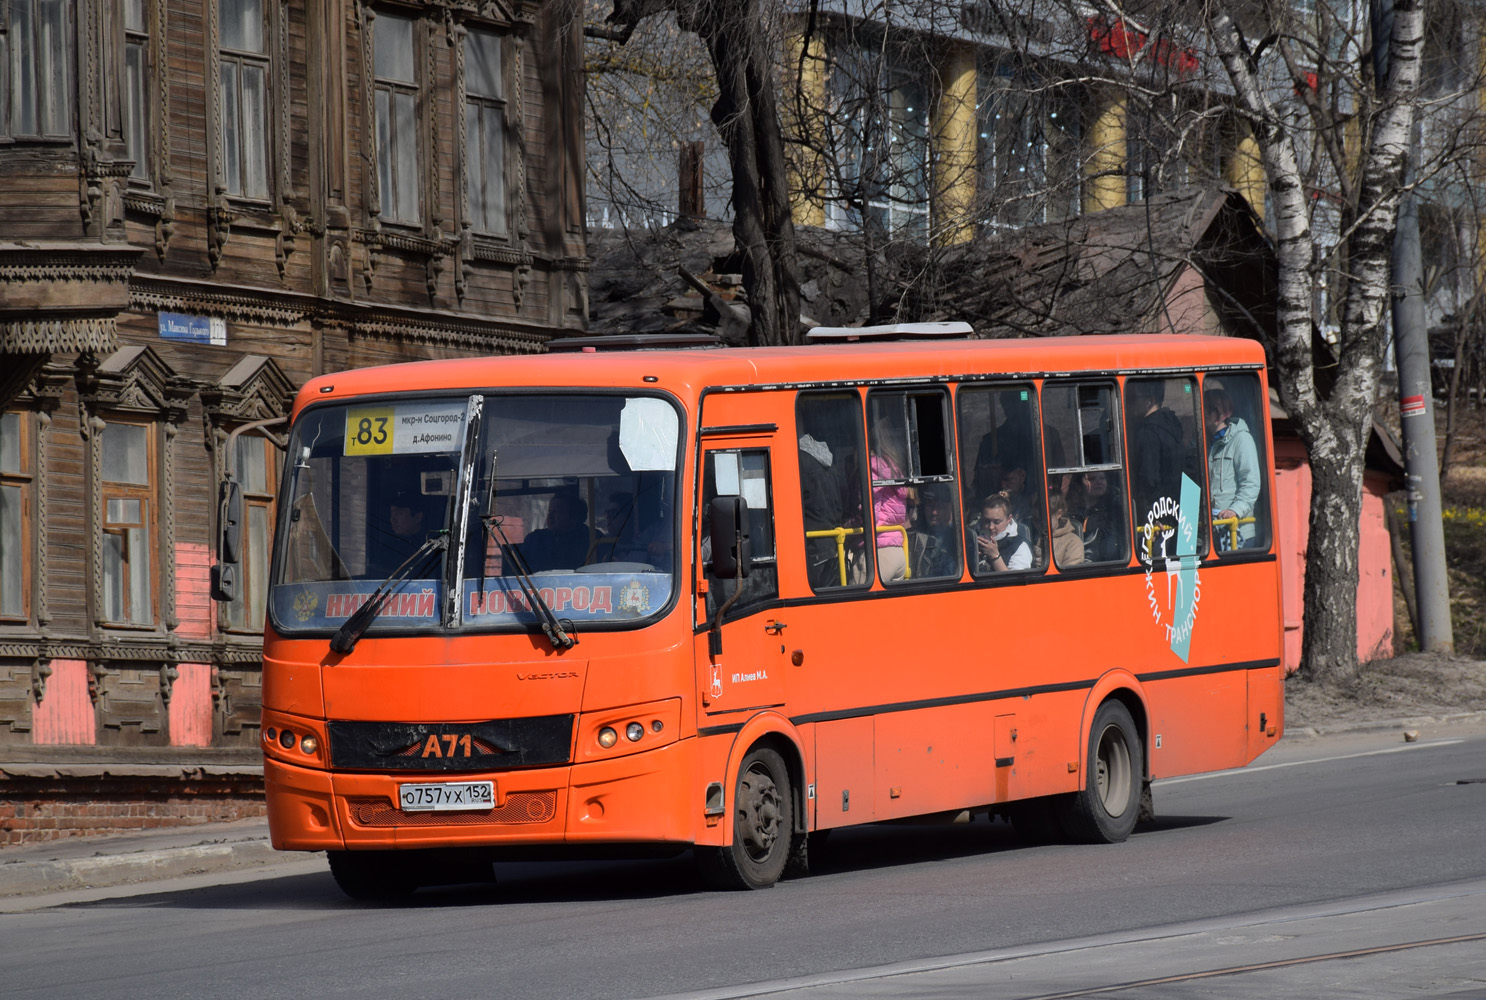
1335, 419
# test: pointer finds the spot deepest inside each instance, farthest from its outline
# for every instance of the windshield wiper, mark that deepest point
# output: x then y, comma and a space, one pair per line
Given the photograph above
351, 630
556, 634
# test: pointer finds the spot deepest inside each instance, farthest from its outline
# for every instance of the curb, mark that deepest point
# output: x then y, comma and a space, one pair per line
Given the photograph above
29, 878
1384, 725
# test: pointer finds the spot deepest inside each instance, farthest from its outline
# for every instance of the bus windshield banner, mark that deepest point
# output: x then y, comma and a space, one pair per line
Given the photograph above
494, 601
581, 597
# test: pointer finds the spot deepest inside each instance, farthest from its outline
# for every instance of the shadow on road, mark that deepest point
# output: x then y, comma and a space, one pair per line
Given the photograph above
843, 853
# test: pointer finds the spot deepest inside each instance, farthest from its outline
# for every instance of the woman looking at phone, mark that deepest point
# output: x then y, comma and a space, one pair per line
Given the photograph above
998, 544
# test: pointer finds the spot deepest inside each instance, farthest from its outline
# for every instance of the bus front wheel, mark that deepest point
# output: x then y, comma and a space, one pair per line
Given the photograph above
763, 824
376, 876
1105, 810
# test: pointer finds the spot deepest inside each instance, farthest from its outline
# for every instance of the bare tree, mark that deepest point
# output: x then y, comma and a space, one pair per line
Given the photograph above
742, 39
1179, 86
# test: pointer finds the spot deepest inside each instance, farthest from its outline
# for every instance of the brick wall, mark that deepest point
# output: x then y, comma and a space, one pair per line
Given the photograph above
51, 807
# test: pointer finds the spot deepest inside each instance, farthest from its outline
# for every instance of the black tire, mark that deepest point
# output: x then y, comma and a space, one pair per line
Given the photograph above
372, 876
1105, 810
763, 827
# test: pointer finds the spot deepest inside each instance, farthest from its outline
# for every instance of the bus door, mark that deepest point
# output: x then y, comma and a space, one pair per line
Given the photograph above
741, 654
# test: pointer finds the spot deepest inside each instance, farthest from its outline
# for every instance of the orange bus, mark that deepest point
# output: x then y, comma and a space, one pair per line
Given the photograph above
612, 602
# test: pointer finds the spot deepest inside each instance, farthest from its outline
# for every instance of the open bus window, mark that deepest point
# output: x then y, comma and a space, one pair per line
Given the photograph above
1091, 480
911, 457
999, 444
1233, 414
832, 490
742, 473
1164, 434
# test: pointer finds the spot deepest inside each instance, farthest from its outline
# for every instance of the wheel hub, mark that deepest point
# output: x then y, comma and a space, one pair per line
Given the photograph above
758, 813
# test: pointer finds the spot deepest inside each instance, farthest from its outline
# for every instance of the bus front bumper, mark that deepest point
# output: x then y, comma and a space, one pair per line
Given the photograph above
639, 798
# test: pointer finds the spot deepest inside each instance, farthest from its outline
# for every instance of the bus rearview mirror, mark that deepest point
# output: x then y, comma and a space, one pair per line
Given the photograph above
224, 582
728, 517
229, 540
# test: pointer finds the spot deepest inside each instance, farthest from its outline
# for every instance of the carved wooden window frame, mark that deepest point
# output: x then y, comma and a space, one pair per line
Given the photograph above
133, 386
21, 477
117, 521
418, 90
67, 76
501, 104
264, 61
137, 67
226, 211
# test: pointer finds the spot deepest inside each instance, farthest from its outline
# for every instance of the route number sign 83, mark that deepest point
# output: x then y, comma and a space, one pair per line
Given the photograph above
369, 430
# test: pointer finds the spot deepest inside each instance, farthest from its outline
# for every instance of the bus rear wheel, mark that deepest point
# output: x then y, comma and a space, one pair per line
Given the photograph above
1105, 810
372, 876
763, 827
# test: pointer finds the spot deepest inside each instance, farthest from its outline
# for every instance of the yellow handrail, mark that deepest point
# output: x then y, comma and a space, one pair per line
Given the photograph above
1231, 525
840, 535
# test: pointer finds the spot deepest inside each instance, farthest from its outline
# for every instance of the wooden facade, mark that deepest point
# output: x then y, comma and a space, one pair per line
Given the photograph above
194, 219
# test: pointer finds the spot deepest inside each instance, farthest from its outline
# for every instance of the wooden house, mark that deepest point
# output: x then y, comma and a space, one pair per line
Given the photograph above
205, 203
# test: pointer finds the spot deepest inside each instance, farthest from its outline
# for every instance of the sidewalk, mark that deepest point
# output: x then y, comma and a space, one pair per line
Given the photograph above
97, 862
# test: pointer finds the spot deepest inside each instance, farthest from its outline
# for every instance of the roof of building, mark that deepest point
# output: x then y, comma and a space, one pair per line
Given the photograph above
1108, 271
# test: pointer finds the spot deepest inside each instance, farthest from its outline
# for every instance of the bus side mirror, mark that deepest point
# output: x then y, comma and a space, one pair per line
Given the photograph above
229, 539
728, 516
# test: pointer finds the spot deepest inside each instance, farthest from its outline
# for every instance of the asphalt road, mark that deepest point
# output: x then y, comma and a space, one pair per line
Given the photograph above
1323, 847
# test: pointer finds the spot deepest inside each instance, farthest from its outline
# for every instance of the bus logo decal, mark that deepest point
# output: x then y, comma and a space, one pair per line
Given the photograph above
1167, 525
305, 605
634, 597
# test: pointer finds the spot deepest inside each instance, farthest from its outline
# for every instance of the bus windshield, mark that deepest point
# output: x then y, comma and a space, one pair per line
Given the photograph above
581, 486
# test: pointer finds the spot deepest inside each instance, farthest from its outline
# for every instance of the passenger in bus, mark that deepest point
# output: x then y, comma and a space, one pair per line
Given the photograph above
936, 547
821, 510
1232, 470
1100, 514
1067, 540
1156, 451
889, 506
998, 544
403, 536
563, 542
1024, 507
630, 541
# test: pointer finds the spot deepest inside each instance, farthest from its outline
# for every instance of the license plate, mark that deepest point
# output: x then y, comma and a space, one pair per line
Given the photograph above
446, 796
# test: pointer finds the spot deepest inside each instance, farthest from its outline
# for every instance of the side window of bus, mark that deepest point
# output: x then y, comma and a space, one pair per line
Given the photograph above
832, 489
743, 473
1088, 485
1234, 412
1003, 489
1164, 431
911, 461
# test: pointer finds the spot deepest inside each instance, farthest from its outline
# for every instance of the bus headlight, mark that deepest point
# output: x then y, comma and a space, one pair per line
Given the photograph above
608, 737
633, 732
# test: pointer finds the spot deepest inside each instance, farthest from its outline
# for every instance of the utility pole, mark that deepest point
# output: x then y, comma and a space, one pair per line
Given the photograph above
1415, 389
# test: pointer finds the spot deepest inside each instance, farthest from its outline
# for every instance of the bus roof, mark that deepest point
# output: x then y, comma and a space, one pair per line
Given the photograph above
686, 372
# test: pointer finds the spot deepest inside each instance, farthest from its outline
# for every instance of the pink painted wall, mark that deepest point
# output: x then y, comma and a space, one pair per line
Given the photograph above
65, 714
191, 706
1375, 572
193, 601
